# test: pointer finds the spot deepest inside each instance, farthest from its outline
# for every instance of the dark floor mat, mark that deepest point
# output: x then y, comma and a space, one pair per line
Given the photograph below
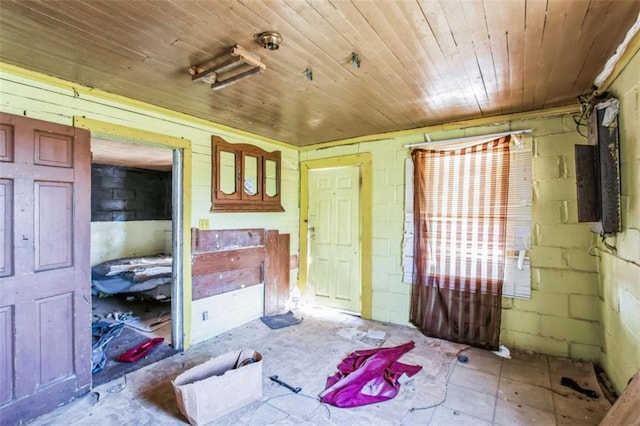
281, 321
127, 339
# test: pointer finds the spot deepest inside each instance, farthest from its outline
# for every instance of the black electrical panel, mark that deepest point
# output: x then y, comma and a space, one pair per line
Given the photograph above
587, 184
598, 169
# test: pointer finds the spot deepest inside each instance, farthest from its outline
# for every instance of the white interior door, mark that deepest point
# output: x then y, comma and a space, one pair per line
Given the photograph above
334, 237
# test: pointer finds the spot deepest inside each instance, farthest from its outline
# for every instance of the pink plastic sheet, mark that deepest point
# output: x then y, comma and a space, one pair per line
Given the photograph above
368, 376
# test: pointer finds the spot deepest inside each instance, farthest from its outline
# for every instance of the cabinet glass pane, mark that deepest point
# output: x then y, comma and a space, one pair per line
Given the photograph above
227, 172
250, 175
270, 178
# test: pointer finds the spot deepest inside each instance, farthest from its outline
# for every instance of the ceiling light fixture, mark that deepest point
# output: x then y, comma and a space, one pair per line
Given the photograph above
269, 40
227, 69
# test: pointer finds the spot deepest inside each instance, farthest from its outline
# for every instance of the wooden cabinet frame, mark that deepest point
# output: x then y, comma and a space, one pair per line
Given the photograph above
240, 200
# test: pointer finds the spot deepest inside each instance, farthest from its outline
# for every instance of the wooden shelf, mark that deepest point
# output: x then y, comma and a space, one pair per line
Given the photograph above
244, 178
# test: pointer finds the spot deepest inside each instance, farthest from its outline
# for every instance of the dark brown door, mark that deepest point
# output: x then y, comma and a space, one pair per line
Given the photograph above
45, 301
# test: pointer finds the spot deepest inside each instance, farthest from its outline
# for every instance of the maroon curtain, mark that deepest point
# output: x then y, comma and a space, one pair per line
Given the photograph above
460, 210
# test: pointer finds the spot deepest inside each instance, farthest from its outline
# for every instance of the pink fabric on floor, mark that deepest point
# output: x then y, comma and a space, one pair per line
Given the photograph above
368, 376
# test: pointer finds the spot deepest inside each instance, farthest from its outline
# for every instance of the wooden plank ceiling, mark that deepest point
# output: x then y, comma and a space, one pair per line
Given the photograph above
423, 62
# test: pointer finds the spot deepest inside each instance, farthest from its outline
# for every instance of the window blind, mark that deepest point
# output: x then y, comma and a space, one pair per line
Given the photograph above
517, 279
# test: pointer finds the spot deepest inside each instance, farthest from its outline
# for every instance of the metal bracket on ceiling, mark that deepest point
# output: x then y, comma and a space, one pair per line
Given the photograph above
228, 69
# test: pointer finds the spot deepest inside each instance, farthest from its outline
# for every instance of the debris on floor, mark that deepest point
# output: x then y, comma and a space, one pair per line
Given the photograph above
150, 324
372, 337
351, 333
368, 376
102, 332
275, 322
141, 350
285, 384
502, 352
120, 316
217, 387
570, 383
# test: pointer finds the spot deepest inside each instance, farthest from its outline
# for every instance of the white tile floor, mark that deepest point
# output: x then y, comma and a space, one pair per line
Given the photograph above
486, 390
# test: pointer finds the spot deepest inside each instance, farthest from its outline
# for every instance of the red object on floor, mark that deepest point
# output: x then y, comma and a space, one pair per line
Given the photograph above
368, 376
139, 351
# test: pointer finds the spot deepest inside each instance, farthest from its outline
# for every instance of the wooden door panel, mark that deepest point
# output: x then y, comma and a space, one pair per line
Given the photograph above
6, 143
321, 267
53, 232
45, 318
54, 327
53, 150
7, 383
342, 279
322, 230
334, 271
343, 217
6, 231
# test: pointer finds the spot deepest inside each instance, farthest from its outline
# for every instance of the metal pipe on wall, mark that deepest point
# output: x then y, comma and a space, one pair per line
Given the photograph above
177, 286
478, 139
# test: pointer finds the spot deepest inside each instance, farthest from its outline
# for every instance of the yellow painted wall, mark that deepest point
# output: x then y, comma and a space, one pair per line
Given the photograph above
620, 272
112, 240
35, 96
562, 317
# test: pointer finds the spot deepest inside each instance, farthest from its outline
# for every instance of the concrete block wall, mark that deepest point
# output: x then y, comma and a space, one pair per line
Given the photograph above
123, 193
562, 317
619, 284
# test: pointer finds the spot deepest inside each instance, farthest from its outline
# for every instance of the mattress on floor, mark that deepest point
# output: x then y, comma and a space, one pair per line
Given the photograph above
134, 275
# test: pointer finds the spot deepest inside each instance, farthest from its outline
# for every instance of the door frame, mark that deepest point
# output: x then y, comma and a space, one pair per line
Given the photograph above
364, 163
181, 207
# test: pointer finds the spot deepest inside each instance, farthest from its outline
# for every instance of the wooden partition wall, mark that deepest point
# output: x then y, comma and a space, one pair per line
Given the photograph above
232, 259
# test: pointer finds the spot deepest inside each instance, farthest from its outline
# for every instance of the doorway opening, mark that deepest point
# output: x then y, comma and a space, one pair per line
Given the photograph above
133, 260
333, 277
336, 234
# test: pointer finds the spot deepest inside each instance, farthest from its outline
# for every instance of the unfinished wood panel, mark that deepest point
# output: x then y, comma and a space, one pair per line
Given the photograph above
6, 143
225, 239
284, 242
222, 282
226, 260
208, 263
54, 327
53, 232
423, 62
558, 68
271, 273
346, 29
6, 231
6, 355
535, 13
506, 28
626, 410
53, 150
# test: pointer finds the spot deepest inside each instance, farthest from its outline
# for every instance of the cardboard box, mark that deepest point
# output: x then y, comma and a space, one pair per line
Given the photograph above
219, 386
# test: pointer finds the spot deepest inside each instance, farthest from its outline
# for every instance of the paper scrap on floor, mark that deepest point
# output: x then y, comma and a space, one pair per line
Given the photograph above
376, 334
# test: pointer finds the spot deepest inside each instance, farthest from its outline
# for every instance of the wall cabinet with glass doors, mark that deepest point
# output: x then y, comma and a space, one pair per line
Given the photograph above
244, 178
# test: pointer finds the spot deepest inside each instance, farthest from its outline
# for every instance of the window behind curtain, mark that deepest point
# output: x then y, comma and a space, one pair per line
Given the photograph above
517, 278
460, 209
